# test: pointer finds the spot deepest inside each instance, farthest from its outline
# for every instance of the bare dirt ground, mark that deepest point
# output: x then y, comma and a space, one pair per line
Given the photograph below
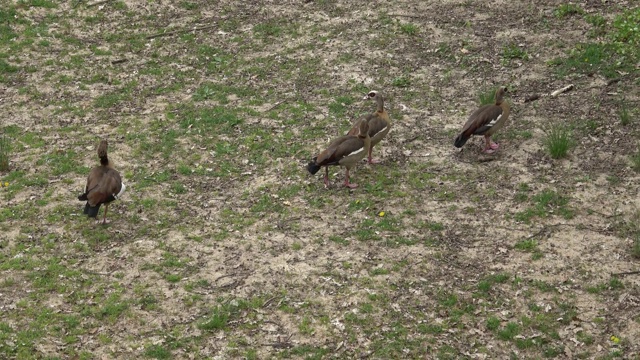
224, 247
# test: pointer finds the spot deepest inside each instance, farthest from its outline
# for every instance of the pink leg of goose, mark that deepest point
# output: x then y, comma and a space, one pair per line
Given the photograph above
371, 160
490, 145
326, 176
347, 183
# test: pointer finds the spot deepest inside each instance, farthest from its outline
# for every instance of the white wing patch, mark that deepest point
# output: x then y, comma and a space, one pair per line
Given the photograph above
383, 129
494, 121
355, 152
122, 189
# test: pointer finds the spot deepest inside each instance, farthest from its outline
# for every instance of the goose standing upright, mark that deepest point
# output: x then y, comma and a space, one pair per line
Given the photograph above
346, 151
486, 121
379, 123
104, 185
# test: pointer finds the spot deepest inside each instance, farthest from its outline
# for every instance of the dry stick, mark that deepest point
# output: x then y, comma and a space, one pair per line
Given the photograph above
276, 105
98, 3
119, 61
174, 32
626, 273
613, 81
535, 97
411, 139
563, 90
409, 16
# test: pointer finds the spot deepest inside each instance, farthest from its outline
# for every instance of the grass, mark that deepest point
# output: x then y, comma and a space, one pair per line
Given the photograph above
487, 96
409, 29
558, 141
609, 57
566, 10
5, 152
544, 204
224, 245
635, 247
624, 114
513, 51
635, 161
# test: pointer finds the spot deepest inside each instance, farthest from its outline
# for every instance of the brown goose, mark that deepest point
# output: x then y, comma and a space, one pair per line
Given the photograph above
379, 123
104, 185
346, 151
486, 121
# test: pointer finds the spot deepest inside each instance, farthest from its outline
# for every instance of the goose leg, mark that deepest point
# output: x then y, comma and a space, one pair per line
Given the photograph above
490, 145
326, 176
371, 160
347, 183
104, 218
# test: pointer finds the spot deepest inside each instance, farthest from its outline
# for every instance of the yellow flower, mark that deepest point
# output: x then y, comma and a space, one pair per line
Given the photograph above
6, 184
381, 213
615, 339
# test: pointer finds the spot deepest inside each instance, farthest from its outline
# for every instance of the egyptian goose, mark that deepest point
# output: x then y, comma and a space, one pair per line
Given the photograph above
104, 185
346, 151
379, 123
486, 121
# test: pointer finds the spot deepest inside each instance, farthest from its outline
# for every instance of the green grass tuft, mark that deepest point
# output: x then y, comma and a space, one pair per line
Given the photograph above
487, 96
5, 151
409, 29
157, 352
558, 142
635, 247
635, 161
624, 114
401, 82
566, 10
513, 51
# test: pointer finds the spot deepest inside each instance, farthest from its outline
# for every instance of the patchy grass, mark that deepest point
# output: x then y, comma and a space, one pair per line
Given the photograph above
5, 152
609, 57
487, 96
566, 10
558, 141
224, 246
624, 114
513, 51
635, 160
544, 204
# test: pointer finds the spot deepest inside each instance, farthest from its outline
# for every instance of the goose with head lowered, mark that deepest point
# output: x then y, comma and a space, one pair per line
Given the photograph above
345, 151
486, 121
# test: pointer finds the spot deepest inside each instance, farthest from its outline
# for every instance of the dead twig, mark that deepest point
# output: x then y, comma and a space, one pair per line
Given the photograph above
266, 303
276, 105
98, 3
175, 32
613, 81
554, 93
562, 90
286, 344
411, 139
533, 97
626, 273
119, 61
409, 16
540, 232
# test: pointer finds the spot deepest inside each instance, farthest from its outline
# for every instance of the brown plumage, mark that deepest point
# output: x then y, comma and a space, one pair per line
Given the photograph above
345, 151
486, 121
379, 123
104, 185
